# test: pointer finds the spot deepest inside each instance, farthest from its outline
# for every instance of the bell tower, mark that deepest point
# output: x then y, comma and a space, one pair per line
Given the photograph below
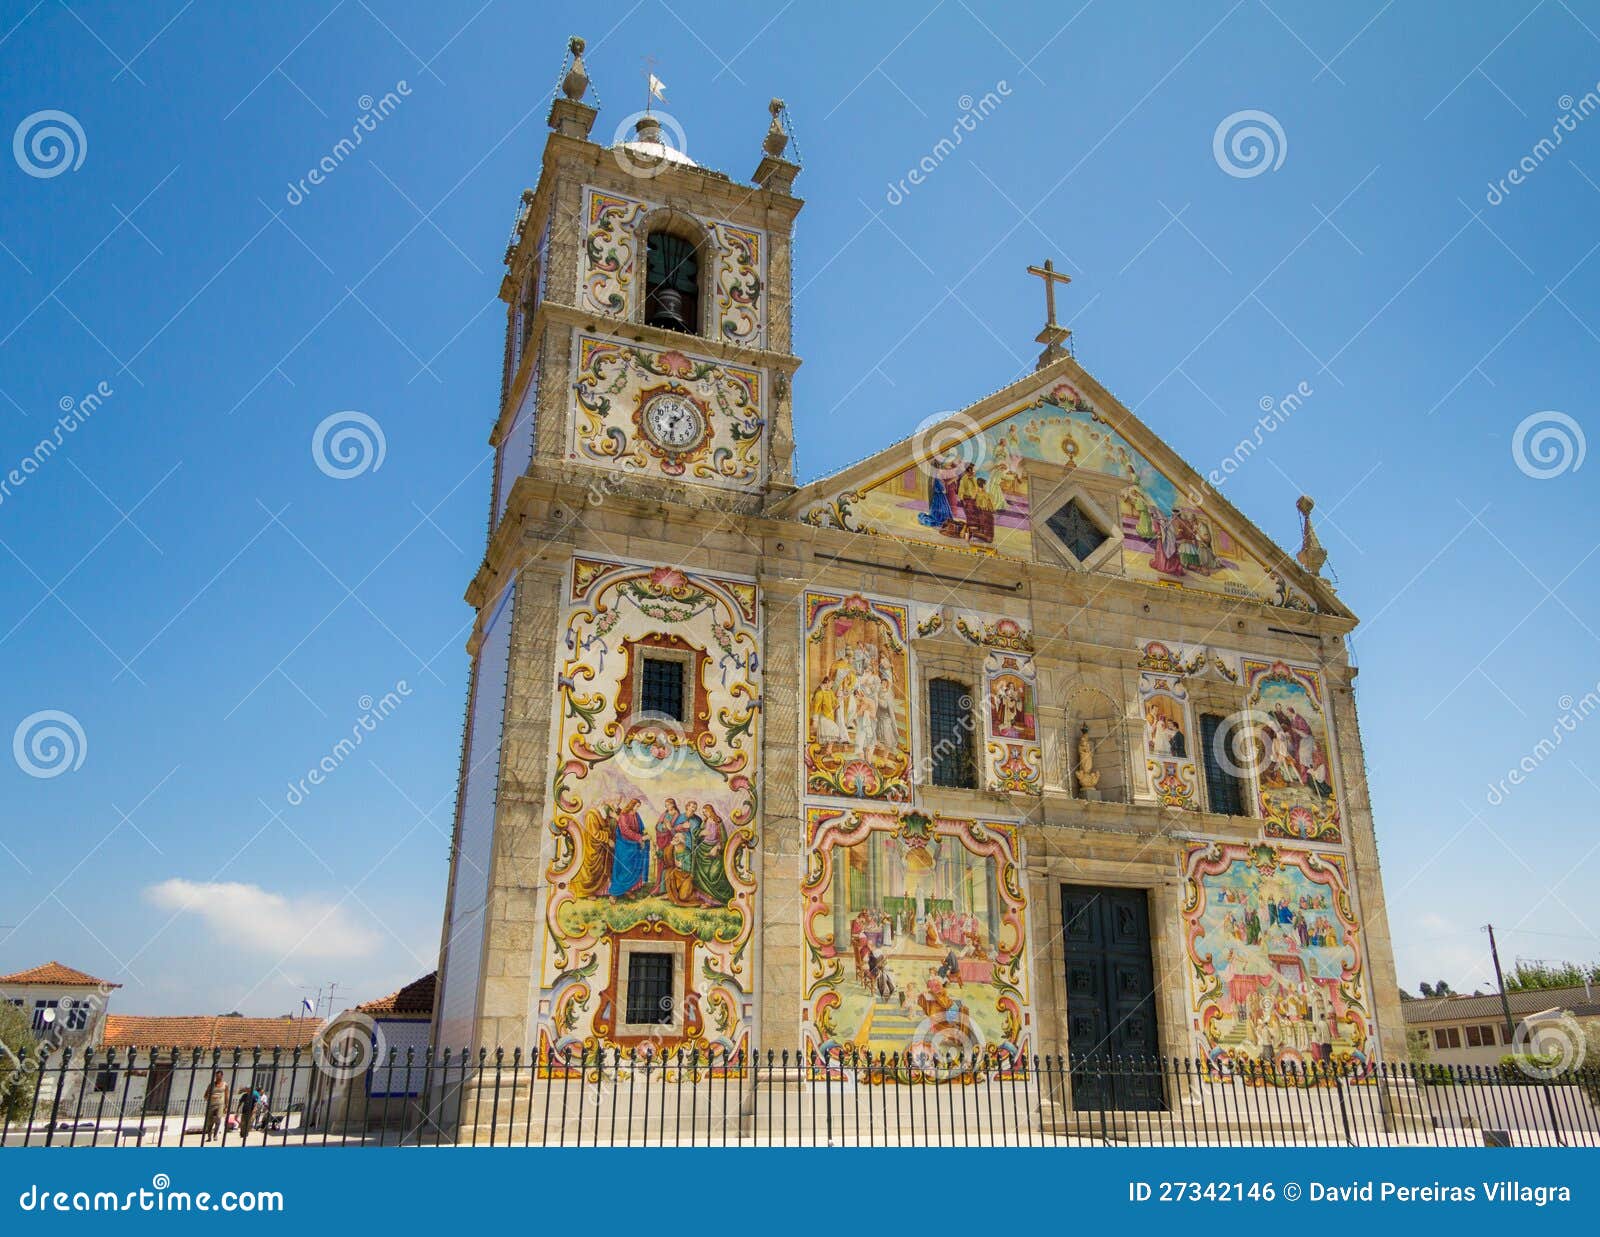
648, 326
644, 424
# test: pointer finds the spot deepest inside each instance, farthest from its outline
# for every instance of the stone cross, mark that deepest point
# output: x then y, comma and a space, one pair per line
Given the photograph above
1054, 334
1051, 278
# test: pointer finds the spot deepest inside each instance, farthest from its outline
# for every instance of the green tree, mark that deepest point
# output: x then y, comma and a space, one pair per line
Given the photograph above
1528, 976
19, 1055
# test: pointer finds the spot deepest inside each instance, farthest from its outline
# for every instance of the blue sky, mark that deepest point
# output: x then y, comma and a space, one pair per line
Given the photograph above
214, 611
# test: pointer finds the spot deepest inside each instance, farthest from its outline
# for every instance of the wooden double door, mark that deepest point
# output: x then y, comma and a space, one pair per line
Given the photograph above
1111, 1006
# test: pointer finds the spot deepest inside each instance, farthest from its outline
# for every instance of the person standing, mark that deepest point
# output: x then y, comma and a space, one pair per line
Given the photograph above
247, 1111
630, 852
216, 1107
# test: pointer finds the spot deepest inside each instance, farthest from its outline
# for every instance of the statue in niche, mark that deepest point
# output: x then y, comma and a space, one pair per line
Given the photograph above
1088, 777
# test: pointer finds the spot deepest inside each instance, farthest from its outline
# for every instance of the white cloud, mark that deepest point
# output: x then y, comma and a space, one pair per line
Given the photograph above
268, 922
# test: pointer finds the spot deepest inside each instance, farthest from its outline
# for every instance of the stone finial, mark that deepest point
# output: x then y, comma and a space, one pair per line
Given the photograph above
776, 139
576, 83
775, 173
1311, 555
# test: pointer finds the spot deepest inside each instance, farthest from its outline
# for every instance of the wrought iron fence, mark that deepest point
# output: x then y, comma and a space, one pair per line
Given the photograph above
775, 1098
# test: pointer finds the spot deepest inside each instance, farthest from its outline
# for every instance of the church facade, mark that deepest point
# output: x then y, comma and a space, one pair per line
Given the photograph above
1014, 738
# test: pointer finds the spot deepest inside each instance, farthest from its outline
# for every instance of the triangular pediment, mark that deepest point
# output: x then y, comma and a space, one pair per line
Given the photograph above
998, 477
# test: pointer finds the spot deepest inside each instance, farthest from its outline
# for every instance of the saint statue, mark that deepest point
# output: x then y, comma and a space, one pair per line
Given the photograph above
1088, 778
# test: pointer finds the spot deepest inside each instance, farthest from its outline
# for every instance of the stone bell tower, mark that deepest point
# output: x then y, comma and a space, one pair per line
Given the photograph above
646, 383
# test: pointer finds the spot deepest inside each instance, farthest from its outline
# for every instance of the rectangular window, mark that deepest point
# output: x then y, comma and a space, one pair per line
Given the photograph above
77, 1015
661, 687
44, 1014
1505, 1035
1224, 792
950, 726
105, 1082
1447, 1037
1475, 1036
650, 989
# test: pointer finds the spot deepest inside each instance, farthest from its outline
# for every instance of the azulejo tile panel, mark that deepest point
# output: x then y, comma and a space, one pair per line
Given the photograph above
666, 413
653, 820
1275, 957
916, 943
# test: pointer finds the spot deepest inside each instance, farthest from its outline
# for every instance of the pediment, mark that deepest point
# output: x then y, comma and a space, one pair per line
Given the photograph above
987, 480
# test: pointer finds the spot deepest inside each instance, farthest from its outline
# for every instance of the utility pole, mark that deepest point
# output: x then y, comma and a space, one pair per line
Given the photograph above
1500, 982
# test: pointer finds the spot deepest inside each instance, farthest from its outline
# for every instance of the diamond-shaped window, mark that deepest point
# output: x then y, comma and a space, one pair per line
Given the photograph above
1077, 530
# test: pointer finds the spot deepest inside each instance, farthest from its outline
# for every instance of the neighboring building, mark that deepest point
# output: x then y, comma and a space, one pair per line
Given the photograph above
401, 1022
125, 1063
955, 750
380, 1059
1471, 1030
162, 1064
65, 1006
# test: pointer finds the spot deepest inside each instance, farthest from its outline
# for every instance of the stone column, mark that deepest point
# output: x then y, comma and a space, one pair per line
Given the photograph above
780, 952
516, 880
1383, 986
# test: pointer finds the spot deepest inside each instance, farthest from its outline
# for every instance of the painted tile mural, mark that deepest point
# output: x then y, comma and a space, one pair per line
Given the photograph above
609, 279
738, 284
1015, 760
1275, 957
1169, 741
1294, 766
975, 494
915, 939
610, 247
857, 675
667, 413
652, 831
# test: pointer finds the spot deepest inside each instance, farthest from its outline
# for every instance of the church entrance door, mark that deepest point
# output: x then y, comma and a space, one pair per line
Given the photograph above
1111, 1008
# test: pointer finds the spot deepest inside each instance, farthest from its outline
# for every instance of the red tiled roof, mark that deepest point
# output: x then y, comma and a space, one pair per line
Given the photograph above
415, 998
207, 1031
55, 973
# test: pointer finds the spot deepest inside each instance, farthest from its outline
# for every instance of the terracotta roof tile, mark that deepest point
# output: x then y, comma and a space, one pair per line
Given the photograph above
1583, 1002
207, 1031
415, 998
55, 973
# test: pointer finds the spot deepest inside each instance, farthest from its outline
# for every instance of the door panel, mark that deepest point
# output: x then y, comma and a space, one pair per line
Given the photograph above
1111, 1020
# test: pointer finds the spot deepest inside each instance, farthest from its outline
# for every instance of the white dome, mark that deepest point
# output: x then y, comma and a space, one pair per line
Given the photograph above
655, 152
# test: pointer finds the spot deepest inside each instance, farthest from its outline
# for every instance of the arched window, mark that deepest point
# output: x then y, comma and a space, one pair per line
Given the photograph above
672, 283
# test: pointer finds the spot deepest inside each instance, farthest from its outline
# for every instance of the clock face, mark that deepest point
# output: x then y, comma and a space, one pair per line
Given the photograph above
674, 423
